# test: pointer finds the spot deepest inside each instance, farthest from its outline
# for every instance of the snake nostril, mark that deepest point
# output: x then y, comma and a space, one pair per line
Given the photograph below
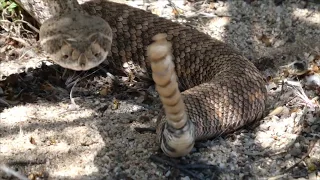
82, 64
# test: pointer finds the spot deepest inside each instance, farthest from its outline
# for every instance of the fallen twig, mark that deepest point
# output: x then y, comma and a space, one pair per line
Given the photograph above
284, 172
303, 157
8, 170
166, 162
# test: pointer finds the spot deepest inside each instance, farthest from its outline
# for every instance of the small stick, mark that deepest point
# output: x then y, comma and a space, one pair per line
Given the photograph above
166, 162
303, 157
12, 172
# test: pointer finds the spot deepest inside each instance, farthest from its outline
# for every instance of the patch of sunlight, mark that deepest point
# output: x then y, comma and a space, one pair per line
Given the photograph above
20, 143
307, 15
74, 166
128, 107
216, 26
14, 115
41, 113
75, 170
277, 133
80, 163
83, 135
74, 149
15, 144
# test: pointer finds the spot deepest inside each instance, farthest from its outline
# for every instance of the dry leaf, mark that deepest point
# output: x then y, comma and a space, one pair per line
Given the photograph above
36, 175
275, 137
295, 109
315, 68
46, 87
265, 40
131, 77
212, 6
156, 11
286, 73
175, 12
116, 104
32, 176
311, 167
53, 141
33, 141
104, 91
317, 57
276, 111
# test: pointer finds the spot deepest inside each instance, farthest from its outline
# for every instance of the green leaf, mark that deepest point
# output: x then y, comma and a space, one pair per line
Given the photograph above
12, 6
3, 4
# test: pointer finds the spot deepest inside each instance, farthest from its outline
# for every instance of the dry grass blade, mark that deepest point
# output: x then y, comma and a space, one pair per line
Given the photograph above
72, 81
298, 90
2, 101
16, 29
157, 159
28, 24
284, 172
20, 40
10, 171
174, 7
71, 98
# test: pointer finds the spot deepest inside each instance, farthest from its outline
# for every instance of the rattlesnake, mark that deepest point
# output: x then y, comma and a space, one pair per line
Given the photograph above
222, 90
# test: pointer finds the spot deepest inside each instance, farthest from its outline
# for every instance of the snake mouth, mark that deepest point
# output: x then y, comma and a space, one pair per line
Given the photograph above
85, 63
82, 63
79, 67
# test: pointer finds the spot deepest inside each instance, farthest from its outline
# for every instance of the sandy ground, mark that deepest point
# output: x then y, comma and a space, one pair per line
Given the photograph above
45, 136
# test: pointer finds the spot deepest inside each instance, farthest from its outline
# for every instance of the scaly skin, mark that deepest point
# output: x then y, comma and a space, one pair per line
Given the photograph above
181, 139
223, 91
74, 39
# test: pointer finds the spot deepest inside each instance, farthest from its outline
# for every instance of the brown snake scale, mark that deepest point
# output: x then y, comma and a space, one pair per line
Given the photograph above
221, 90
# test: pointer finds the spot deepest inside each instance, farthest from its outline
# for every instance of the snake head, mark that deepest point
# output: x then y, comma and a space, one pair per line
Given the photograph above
77, 42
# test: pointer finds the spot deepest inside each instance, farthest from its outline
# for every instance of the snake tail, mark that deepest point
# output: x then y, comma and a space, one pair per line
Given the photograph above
178, 136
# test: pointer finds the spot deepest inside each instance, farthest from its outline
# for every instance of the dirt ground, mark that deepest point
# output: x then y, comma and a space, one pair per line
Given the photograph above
104, 129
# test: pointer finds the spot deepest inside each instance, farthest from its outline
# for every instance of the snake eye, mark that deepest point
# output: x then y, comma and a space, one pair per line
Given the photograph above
97, 54
65, 56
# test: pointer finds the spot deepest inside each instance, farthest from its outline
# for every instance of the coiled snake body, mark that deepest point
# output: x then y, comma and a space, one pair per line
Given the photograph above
222, 90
